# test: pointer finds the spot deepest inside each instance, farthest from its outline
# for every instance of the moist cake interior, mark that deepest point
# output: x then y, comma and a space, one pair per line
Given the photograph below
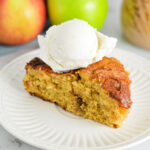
100, 92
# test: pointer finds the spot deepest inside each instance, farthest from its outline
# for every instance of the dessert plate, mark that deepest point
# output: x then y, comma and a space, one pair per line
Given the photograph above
47, 126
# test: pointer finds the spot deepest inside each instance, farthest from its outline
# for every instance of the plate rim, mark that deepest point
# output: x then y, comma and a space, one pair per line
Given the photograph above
141, 138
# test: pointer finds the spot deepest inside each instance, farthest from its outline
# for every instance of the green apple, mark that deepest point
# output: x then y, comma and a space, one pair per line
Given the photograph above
92, 11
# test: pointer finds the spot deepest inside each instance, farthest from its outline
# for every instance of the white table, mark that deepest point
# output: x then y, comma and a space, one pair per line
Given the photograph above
112, 27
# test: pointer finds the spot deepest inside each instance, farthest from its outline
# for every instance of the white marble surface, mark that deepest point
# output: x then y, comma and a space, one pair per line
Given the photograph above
112, 27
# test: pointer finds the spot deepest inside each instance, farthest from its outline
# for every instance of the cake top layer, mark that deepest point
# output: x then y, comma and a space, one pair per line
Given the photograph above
113, 78
109, 72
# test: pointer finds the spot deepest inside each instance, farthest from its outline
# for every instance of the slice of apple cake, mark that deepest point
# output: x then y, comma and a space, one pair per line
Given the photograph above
100, 92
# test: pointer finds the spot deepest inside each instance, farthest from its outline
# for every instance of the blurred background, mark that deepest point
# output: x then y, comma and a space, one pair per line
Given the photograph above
22, 20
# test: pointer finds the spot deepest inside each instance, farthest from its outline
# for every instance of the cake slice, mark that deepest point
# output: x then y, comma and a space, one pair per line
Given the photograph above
100, 92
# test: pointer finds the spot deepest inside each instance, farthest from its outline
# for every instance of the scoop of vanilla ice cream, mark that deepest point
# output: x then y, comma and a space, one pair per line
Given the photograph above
73, 44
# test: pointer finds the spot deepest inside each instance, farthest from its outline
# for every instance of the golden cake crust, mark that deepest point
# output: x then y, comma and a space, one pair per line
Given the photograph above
109, 72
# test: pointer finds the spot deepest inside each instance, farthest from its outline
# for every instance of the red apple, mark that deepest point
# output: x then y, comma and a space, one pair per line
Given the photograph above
21, 20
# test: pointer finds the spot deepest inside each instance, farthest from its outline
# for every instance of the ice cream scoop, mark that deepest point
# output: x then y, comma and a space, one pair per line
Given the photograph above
73, 44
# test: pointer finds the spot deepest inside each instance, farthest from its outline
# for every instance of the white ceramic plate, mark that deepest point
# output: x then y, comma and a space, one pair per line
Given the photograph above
47, 126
